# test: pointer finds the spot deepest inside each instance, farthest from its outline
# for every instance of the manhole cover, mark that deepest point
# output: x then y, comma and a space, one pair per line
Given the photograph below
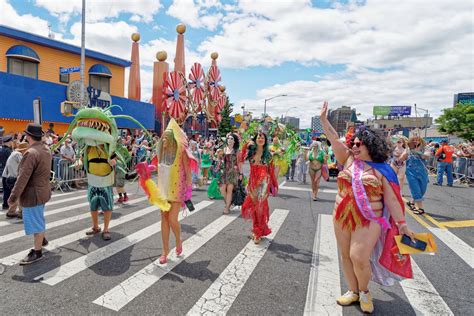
2, 269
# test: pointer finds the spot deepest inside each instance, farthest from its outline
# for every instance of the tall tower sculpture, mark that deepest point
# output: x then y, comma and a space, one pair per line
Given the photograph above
179, 57
134, 85
160, 69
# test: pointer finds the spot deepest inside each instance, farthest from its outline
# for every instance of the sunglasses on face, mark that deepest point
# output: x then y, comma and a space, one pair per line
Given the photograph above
399, 142
357, 144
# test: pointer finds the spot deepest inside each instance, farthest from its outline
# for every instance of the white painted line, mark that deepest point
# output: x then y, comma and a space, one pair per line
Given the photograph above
463, 250
56, 195
56, 243
308, 190
324, 278
73, 267
68, 208
128, 290
422, 295
54, 224
282, 184
220, 296
67, 200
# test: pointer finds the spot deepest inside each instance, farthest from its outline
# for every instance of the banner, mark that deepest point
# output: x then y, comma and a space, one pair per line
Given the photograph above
399, 110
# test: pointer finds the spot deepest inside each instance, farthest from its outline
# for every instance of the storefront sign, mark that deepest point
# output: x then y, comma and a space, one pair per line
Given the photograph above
399, 110
65, 71
98, 98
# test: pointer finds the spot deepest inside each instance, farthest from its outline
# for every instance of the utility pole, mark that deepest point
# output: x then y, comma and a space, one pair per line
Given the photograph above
83, 50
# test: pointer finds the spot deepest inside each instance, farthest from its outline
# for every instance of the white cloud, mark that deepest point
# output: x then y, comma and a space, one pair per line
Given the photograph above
25, 22
100, 10
196, 13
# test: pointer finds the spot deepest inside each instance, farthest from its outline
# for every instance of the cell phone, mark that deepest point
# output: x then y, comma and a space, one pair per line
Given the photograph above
189, 205
418, 244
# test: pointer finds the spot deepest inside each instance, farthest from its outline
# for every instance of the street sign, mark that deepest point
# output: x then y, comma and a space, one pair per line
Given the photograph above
65, 71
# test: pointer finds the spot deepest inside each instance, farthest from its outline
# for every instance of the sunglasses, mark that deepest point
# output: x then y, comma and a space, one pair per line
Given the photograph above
399, 142
357, 144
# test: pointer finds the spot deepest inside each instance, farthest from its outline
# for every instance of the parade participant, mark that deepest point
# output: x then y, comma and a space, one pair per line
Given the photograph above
230, 170
213, 191
5, 152
262, 183
175, 168
416, 173
206, 161
11, 174
368, 214
301, 165
399, 157
196, 154
445, 163
96, 134
316, 160
32, 190
276, 150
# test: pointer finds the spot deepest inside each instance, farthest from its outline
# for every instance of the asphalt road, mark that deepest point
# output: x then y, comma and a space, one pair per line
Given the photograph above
294, 272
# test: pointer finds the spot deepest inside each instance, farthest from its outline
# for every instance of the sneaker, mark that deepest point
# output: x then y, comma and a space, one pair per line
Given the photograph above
125, 198
348, 298
120, 200
32, 256
45, 242
366, 304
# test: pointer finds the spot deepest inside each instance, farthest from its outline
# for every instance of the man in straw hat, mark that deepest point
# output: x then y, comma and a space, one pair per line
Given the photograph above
32, 189
10, 173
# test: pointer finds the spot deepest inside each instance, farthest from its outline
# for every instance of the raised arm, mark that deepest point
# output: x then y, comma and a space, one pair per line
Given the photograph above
341, 151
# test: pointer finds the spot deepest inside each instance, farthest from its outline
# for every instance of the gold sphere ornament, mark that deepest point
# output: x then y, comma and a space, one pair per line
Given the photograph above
222, 88
161, 55
214, 55
135, 37
181, 28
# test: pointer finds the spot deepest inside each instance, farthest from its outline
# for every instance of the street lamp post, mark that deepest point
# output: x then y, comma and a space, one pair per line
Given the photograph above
265, 104
286, 113
426, 118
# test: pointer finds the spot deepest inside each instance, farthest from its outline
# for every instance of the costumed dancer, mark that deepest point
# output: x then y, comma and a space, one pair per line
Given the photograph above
276, 150
317, 159
213, 191
262, 182
230, 170
301, 165
368, 214
416, 173
206, 161
196, 154
175, 167
400, 155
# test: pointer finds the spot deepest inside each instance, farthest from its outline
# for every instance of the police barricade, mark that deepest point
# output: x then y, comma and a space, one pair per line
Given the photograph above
65, 175
463, 169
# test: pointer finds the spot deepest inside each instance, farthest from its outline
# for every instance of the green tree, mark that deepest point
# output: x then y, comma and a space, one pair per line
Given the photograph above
224, 126
458, 121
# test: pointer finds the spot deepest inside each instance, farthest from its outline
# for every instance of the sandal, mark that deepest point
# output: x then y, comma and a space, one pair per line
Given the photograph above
419, 211
106, 236
411, 206
93, 231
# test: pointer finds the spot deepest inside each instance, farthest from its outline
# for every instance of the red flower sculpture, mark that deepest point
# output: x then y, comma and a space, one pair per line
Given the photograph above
213, 83
197, 85
175, 95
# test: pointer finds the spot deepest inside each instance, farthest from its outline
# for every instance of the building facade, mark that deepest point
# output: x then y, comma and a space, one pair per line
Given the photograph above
401, 122
30, 68
339, 118
293, 121
316, 124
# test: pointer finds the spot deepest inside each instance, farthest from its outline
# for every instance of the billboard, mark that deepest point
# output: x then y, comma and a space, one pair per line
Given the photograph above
464, 98
397, 110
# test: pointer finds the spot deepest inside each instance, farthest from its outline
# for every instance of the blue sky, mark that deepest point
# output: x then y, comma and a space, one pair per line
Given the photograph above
356, 53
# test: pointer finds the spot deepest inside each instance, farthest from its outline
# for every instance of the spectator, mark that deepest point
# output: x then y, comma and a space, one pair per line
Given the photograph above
10, 173
67, 152
51, 129
445, 163
5, 152
32, 190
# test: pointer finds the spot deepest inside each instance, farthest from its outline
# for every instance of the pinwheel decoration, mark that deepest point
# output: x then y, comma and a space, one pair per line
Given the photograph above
175, 96
214, 77
197, 86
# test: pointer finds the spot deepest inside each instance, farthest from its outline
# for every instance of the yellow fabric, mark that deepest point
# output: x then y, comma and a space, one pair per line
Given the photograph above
155, 196
98, 169
431, 246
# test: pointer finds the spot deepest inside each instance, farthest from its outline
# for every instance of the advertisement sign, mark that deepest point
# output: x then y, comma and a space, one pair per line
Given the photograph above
98, 98
398, 110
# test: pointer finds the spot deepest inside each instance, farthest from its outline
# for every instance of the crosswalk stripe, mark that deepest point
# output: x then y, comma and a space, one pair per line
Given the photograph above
125, 292
73, 267
220, 296
307, 190
54, 224
56, 243
56, 195
324, 279
463, 250
67, 200
422, 295
67, 208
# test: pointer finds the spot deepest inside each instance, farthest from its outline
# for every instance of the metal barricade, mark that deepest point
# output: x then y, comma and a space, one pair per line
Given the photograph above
66, 174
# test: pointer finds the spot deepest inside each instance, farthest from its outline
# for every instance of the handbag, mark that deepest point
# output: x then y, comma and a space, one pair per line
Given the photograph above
238, 194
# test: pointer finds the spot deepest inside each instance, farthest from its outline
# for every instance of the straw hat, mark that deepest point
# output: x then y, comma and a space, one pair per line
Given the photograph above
21, 147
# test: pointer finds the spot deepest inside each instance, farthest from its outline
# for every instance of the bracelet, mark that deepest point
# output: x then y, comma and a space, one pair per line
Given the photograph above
401, 222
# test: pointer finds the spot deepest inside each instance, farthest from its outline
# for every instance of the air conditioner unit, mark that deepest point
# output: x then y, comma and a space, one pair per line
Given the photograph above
67, 108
